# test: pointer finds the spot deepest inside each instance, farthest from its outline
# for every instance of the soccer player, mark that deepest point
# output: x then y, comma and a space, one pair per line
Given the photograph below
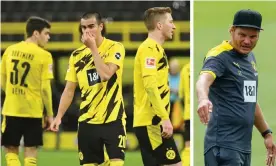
26, 71
96, 67
152, 125
227, 96
184, 95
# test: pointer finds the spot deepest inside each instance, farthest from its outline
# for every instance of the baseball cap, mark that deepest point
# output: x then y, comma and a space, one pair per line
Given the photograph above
248, 18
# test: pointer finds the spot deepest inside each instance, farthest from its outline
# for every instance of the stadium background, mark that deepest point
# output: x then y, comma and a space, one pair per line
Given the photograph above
211, 23
123, 22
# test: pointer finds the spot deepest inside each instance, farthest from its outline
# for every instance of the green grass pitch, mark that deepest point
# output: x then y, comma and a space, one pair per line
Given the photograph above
211, 23
70, 158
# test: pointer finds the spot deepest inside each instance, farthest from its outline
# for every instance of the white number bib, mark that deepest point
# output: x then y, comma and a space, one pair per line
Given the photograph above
249, 91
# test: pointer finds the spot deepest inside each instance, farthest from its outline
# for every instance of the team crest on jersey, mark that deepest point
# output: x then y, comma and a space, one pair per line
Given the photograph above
80, 155
118, 55
150, 63
170, 154
254, 65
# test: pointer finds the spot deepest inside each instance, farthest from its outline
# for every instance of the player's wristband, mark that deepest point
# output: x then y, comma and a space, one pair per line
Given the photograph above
266, 132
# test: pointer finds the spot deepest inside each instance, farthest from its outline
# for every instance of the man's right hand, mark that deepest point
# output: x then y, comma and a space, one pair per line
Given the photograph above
167, 128
205, 106
55, 124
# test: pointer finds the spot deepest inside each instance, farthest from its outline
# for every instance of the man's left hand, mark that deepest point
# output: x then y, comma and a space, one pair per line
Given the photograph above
271, 150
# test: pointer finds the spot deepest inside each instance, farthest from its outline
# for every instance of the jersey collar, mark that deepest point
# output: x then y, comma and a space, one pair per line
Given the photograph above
153, 41
227, 45
102, 44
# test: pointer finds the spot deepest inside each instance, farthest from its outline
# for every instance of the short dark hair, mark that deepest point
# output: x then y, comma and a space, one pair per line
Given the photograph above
36, 24
152, 15
98, 17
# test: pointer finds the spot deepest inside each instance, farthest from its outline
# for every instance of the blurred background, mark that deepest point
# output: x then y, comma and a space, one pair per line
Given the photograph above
124, 23
212, 21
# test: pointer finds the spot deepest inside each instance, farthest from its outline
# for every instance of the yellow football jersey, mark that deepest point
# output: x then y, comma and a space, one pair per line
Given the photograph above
102, 102
25, 66
184, 90
150, 60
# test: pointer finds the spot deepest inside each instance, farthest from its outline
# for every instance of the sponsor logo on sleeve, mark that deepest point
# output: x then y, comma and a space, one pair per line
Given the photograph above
150, 63
118, 55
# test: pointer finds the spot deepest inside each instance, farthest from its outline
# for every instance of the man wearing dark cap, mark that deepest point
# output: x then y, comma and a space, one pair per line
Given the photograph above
227, 96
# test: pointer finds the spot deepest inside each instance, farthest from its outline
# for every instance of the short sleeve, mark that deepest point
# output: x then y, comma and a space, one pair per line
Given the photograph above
116, 55
48, 67
71, 72
148, 60
214, 65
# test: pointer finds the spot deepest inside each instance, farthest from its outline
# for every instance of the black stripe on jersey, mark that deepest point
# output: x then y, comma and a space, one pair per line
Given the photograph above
92, 64
167, 106
85, 109
112, 103
163, 61
83, 62
76, 52
109, 85
97, 94
111, 46
160, 87
110, 82
157, 48
163, 94
85, 94
121, 111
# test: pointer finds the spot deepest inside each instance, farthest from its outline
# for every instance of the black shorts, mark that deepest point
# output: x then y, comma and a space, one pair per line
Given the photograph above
13, 128
163, 151
218, 156
93, 137
186, 133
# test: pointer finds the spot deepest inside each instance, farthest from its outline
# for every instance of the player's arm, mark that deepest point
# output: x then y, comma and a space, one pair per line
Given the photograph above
202, 89
47, 97
46, 91
65, 101
260, 122
263, 128
148, 60
203, 84
213, 67
3, 71
104, 69
151, 87
66, 98
67, 95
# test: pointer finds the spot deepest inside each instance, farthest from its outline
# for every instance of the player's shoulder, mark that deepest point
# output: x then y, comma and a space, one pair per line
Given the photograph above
112, 43
220, 50
79, 50
149, 45
13, 46
45, 52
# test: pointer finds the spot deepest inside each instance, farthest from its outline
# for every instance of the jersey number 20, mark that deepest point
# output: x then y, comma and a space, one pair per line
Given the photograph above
14, 74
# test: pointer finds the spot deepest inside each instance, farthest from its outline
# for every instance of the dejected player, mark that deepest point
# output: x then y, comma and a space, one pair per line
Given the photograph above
96, 67
26, 71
